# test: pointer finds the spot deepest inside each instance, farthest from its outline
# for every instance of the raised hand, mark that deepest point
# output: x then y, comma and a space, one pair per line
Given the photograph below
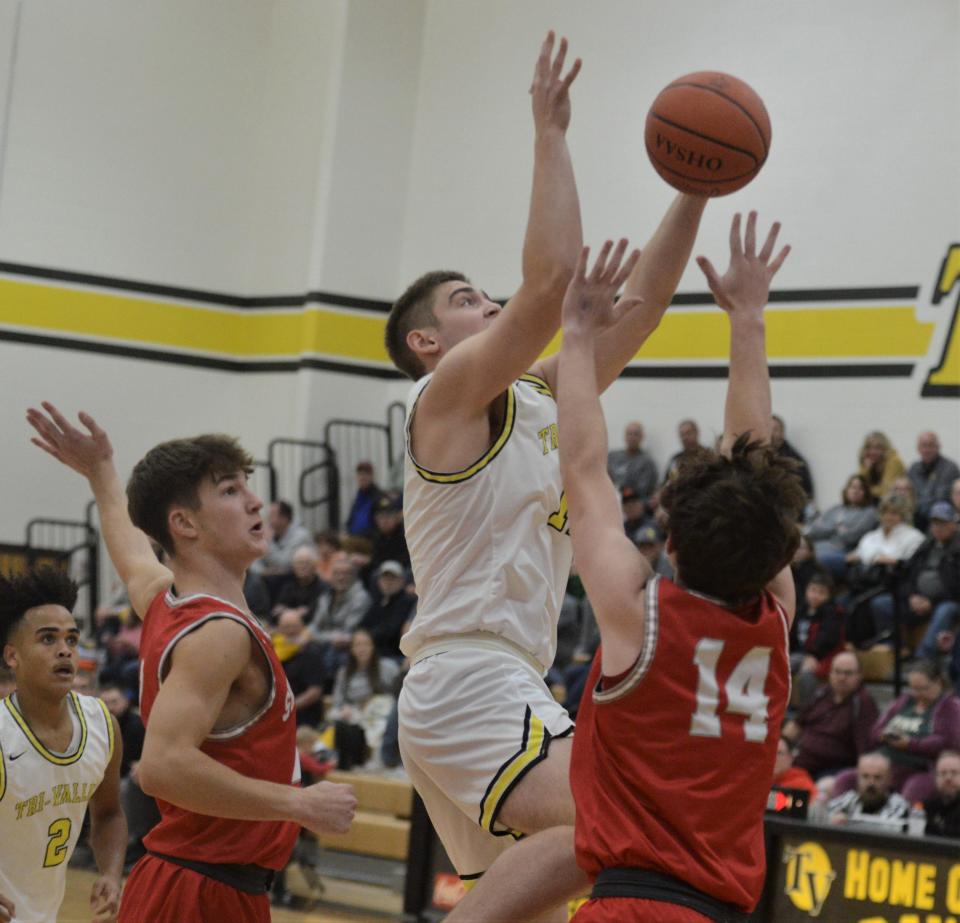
745, 286
550, 91
7, 909
84, 452
588, 306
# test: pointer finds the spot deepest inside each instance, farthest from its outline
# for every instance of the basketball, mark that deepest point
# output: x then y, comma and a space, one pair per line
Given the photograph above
708, 133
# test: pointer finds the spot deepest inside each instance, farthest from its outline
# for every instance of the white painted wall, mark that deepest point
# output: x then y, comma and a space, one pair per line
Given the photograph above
349, 145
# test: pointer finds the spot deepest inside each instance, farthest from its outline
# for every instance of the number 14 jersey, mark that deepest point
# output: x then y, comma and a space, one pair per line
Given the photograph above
672, 764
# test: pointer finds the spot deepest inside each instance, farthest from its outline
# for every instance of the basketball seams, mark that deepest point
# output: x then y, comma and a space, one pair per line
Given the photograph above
698, 134
732, 101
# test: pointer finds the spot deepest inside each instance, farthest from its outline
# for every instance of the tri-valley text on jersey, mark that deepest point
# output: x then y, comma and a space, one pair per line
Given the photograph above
64, 793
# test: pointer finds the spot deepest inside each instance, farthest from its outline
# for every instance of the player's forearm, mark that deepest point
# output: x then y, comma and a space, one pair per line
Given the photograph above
583, 431
554, 235
748, 405
188, 778
108, 840
654, 279
126, 544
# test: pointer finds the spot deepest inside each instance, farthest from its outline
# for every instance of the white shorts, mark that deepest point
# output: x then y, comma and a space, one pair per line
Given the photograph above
473, 721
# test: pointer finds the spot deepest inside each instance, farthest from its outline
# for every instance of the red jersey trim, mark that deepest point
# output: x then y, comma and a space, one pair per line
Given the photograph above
238, 729
651, 631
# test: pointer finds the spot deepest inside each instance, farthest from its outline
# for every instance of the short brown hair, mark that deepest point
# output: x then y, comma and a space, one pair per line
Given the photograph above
172, 472
734, 522
414, 308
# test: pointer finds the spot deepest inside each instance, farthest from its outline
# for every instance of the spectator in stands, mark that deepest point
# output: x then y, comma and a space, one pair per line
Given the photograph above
786, 775
689, 434
943, 807
836, 532
955, 495
903, 487
122, 665
778, 440
632, 466
338, 612
300, 589
930, 587
893, 542
804, 565
287, 536
327, 544
880, 465
913, 730
388, 616
635, 513
932, 476
833, 730
575, 676
363, 692
360, 518
302, 661
872, 799
389, 541
257, 595
815, 636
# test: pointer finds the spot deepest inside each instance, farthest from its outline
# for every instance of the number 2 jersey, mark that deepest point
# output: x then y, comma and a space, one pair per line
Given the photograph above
672, 764
263, 747
43, 797
489, 544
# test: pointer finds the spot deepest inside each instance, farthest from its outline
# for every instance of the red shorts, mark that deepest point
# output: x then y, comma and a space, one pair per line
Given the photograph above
635, 910
160, 892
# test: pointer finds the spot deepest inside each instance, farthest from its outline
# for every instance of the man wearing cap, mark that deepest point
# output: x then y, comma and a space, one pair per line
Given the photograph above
389, 615
635, 516
930, 588
632, 466
389, 541
650, 544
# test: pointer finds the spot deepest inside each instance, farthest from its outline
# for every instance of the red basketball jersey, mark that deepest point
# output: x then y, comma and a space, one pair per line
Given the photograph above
672, 765
264, 747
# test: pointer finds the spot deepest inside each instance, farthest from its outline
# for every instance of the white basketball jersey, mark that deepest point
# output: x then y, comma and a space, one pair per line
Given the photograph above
43, 797
489, 545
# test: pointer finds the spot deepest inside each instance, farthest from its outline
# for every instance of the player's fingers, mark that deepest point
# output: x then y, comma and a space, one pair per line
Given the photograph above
557, 68
613, 264
626, 269
56, 416
770, 242
778, 262
750, 238
580, 273
736, 248
571, 76
42, 425
601, 262
91, 425
40, 444
713, 280
546, 52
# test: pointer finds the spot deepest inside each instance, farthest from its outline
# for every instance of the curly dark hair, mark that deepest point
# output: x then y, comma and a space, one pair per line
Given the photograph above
733, 522
45, 586
414, 308
172, 472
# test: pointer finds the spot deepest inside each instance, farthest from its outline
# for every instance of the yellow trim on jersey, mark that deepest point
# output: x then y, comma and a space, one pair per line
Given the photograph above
109, 718
538, 384
39, 747
532, 750
481, 463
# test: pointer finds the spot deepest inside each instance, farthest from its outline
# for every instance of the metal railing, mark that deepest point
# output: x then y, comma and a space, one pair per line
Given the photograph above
305, 474
76, 543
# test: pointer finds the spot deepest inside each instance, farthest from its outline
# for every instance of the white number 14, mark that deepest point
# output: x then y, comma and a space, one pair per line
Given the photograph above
744, 690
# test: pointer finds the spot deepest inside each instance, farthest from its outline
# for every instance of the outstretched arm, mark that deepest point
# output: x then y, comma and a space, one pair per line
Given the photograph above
91, 455
654, 280
742, 291
612, 569
477, 370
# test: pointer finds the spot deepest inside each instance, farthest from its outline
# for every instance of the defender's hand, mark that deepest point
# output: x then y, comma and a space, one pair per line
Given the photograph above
68, 445
327, 807
588, 306
550, 91
745, 286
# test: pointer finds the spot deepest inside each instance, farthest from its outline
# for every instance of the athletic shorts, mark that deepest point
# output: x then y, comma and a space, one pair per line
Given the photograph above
635, 910
473, 721
160, 892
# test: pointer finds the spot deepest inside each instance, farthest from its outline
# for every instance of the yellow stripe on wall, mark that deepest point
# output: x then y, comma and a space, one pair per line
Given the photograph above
685, 334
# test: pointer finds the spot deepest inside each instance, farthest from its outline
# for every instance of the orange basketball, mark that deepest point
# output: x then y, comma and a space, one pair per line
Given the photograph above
708, 133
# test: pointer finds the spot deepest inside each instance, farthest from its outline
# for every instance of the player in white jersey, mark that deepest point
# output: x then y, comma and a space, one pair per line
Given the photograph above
485, 513
59, 753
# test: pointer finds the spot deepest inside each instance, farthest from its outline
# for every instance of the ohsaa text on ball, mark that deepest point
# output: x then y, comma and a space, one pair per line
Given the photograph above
688, 156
